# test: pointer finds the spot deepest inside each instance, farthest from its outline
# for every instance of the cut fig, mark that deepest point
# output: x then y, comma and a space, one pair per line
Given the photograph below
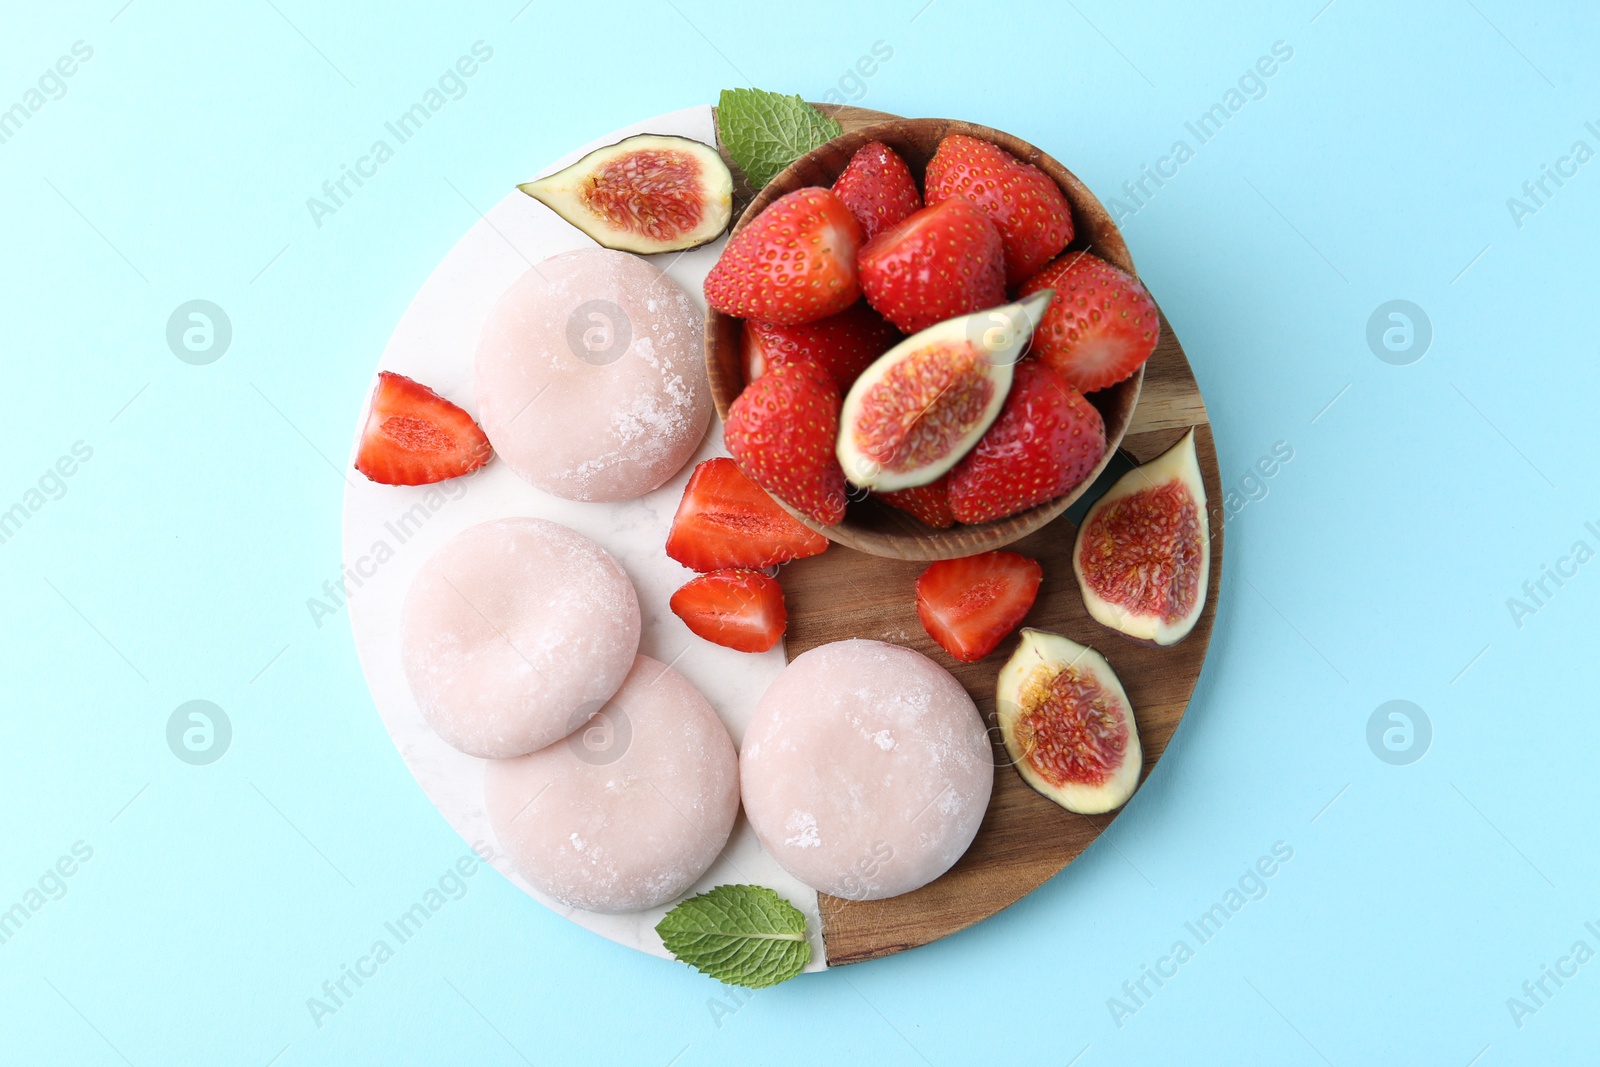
1067, 724
648, 193
923, 404
1143, 554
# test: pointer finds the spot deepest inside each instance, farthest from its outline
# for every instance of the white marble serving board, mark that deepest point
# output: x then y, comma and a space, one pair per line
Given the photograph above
390, 530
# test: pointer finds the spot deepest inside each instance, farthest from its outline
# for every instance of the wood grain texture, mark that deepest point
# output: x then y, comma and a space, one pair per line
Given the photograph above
1024, 838
870, 525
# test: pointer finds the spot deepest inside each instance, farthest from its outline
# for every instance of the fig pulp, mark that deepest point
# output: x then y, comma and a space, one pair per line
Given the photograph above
923, 404
1067, 724
648, 193
1143, 554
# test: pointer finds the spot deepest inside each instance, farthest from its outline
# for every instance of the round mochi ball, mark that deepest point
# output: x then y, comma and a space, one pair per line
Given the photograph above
514, 633
628, 812
866, 769
591, 378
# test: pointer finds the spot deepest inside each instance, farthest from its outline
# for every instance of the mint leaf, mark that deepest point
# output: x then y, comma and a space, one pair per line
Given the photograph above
765, 132
744, 935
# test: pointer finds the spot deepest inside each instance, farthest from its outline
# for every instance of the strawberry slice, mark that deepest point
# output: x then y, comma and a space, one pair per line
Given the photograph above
1024, 203
1046, 440
415, 436
877, 187
726, 520
782, 429
970, 605
944, 261
1101, 325
795, 262
844, 344
930, 503
742, 610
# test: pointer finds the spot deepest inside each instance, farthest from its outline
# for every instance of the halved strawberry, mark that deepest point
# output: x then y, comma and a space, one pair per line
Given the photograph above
844, 344
944, 261
726, 520
970, 605
742, 610
1100, 326
1024, 203
782, 429
795, 262
415, 436
1046, 440
877, 187
930, 503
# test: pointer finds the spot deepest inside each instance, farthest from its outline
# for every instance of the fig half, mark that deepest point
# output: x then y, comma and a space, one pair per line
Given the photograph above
647, 193
1067, 724
1143, 554
924, 404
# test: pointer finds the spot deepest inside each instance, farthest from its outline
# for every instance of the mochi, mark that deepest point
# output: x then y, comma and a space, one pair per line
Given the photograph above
514, 633
628, 812
866, 769
590, 377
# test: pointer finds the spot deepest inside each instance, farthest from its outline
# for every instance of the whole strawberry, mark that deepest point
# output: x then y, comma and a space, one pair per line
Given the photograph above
943, 261
795, 262
1100, 326
844, 344
1024, 203
877, 187
782, 431
930, 503
1046, 440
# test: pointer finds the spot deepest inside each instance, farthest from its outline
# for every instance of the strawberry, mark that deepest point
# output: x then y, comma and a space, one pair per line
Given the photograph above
877, 187
1046, 440
930, 503
844, 344
970, 605
782, 430
944, 261
1100, 326
1024, 203
726, 520
740, 609
795, 262
415, 436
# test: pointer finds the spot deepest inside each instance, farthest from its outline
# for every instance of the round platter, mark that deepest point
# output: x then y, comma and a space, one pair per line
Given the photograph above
388, 532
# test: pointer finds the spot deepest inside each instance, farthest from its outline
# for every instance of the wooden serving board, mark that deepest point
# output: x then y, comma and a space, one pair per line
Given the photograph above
1024, 839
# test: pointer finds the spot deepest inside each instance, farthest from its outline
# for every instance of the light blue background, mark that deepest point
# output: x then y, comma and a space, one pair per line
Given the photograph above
1378, 566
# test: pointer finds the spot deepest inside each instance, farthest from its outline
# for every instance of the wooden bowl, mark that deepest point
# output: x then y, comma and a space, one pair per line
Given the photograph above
869, 525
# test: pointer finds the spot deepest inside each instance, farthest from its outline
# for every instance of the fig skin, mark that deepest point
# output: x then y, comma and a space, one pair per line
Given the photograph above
1178, 464
1040, 656
563, 192
998, 336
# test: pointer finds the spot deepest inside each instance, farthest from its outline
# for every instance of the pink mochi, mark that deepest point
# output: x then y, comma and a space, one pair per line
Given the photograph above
591, 378
866, 769
629, 812
514, 633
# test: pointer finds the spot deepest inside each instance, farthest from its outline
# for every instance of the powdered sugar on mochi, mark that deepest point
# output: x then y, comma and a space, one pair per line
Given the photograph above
866, 769
514, 633
629, 812
591, 379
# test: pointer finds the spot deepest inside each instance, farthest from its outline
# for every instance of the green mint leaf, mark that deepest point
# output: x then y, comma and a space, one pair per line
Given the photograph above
765, 132
744, 935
